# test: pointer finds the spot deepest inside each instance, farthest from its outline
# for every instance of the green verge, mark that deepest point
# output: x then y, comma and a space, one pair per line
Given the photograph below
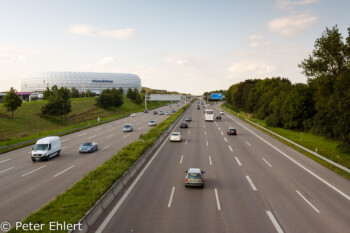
28, 124
72, 205
325, 147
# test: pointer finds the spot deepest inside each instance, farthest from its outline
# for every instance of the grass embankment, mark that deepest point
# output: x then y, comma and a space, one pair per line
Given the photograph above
325, 147
72, 205
28, 123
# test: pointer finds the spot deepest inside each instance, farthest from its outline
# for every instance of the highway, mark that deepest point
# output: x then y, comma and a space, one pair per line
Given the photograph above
26, 186
253, 183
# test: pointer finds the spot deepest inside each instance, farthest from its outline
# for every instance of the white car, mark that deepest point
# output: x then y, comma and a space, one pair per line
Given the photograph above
161, 112
152, 123
175, 137
221, 112
167, 113
133, 115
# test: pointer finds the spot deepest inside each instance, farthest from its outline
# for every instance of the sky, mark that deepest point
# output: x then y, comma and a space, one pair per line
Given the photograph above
190, 46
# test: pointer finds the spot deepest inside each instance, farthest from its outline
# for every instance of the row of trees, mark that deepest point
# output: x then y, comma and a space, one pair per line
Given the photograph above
111, 98
322, 105
58, 102
134, 95
73, 93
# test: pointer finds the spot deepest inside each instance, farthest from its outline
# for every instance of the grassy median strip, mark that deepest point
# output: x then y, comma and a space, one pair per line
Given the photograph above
325, 147
72, 205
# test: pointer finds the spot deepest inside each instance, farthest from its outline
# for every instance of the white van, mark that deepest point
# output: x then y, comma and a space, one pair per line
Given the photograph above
46, 148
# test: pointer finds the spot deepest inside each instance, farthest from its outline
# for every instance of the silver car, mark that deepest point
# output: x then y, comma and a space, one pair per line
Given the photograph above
194, 177
88, 147
152, 123
128, 128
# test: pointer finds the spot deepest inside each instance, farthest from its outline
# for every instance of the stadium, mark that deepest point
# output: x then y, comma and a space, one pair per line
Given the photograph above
95, 82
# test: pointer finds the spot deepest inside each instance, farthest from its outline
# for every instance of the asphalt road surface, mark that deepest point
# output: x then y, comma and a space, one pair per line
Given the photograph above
253, 183
26, 186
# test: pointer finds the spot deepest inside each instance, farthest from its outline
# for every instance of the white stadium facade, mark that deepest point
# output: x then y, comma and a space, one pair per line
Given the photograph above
95, 82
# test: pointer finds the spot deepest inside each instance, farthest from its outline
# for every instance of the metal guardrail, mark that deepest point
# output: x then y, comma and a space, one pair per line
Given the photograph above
306, 149
103, 203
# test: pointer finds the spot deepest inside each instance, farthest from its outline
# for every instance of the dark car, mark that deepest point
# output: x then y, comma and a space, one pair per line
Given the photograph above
88, 147
231, 131
188, 119
183, 125
155, 112
146, 111
198, 108
218, 117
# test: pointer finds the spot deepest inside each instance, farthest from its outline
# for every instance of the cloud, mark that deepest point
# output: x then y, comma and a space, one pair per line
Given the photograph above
107, 60
83, 29
292, 25
255, 37
256, 41
9, 54
249, 68
184, 61
285, 4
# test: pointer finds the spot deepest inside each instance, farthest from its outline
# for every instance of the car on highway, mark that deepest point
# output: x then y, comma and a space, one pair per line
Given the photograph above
231, 131
175, 137
221, 112
88, 147
183, 125
128, 128
161, 112
155, 112
172, 110
218, 117
133, 115
198, 108
167, 113
194, 177
152, 123
188, 119
46, 148
146, 111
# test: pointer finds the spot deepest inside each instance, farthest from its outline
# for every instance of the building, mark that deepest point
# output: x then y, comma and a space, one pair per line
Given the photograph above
95, 82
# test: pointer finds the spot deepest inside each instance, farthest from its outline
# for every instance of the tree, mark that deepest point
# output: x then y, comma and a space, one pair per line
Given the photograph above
89, 93
75, 93
129, 93
111, 98
12, 101
58, 103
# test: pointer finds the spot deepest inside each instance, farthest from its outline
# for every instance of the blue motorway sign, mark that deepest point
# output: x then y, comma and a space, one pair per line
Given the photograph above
216, 96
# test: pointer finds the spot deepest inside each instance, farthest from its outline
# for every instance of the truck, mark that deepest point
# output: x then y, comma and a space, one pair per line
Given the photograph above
46, 148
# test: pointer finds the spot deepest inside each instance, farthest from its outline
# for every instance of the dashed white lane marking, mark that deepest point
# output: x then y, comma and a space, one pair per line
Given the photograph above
6, 170
33, 171
217, 199
219, 128
82, 134
207, 143
126, 136
267, 162
64, 147
274, 222
141, 128
3, 161
64, 171
182, 156
171, 197
109, 136
105, 147
251, 183
225, 139
91, 137
307, 201
210, 161
65, 140
248, 143
111, 129
186, 142
230, 148
239, 162
205, 132
222, 133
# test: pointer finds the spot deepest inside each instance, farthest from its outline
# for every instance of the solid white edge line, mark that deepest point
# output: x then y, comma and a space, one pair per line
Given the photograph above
230, 148
294, 161
82, 134
239, 162
308, 202
274, 222
6, 169
109, 136
186, 142
251, 183
182, 156
217, 199
122, 199
267, 162
64, 171
171, 197
7, 159
210, 160
126, 136
33, 171
105, 147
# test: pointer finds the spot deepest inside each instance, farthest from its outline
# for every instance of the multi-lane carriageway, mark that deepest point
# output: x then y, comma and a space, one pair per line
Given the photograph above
26, 186
254, 183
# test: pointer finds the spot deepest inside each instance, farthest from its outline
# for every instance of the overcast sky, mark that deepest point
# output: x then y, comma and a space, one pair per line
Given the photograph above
188, 46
